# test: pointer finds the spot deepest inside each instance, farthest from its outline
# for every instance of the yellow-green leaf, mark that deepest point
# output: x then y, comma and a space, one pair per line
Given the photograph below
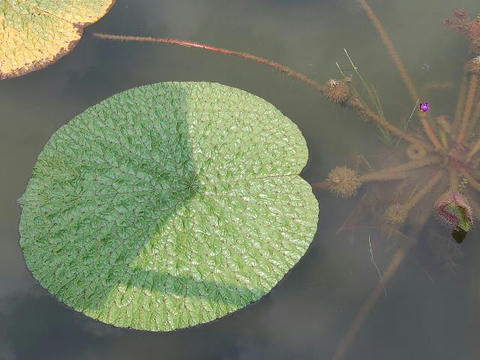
36, 33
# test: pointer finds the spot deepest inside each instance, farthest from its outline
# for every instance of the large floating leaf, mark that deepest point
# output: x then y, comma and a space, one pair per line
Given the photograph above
35, 33
168, 205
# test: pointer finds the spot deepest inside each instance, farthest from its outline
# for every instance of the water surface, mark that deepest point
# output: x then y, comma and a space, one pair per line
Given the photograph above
429, 312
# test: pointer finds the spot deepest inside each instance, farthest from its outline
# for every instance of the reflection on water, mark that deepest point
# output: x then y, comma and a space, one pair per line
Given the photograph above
431, 310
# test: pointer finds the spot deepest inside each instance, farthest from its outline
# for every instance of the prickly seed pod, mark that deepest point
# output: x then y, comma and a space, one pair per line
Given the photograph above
395, 214
343, 181
454, 210
474, 65
337, 91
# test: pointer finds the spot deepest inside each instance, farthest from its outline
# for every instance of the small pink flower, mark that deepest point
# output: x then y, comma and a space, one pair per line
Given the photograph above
424, 106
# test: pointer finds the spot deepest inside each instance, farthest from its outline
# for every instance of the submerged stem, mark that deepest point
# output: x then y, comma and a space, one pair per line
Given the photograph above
468, 106
471, 180
356, 105
462, 93
397, 259
401, 69
419, 195
368, 305
453, 180
475, 116
474, 150
398, 172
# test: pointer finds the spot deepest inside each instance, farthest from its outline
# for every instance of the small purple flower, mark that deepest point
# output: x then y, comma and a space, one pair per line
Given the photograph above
424, 106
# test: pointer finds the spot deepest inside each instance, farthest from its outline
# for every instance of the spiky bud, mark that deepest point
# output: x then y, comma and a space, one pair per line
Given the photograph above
454, 210
343, 181
396, 214
337, 91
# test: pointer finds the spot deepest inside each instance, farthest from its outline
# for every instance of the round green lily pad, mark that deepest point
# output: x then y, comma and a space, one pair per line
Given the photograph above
168, 205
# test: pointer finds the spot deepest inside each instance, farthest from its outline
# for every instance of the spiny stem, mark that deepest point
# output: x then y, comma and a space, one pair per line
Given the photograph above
401, 69
368, 305
475, 205
453, 180
399, 171
397, 259
282, 68
419, 195
428, 130
391, 50
320, 186
468, 106
475, 116
461, 100
471, 181
355, 104
474, 150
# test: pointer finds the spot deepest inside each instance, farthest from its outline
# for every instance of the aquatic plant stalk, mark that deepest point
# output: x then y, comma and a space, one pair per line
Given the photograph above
368, 305
419, 195
475, 205
391, 49
356, 105
471, 180
474, 150
475, 116
394, 173
468, 106
282, 68
453, 180
401, 69
386, 173
320, 186
461, 100
397, 259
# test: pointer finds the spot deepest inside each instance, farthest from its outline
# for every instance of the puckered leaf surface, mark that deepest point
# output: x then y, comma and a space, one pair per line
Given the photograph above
35, 33
168, 205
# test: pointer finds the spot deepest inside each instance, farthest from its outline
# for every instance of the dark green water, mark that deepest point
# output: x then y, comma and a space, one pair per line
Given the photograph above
429, 312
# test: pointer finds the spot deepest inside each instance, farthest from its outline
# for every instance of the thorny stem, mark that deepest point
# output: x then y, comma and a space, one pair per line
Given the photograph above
397, 259
282, 68
468, 106
471, 181
391, 50
394, 173
383, 176
320, 186
428, 130
461, 100
452, 179
368, 305
475, 116
401, 69
475, 205
424, 191
386, 173
474, 150
356, 105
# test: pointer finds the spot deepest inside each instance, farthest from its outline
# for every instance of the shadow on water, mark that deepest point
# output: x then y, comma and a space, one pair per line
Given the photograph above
131, 195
